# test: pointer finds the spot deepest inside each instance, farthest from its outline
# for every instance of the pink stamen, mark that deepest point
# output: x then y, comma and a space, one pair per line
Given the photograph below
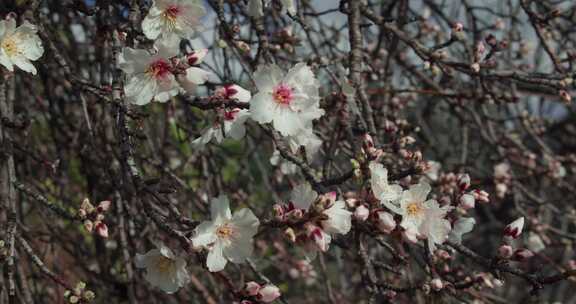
283, 94
172, 11
159, 68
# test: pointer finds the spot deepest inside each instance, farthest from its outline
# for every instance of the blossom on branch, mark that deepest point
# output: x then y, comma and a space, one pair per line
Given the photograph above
168, 19
227, 237
163, 269
289, 101
19, 45
149, 76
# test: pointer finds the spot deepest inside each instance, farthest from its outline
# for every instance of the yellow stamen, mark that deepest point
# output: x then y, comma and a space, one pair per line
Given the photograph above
413, 209
10, 46
164, 264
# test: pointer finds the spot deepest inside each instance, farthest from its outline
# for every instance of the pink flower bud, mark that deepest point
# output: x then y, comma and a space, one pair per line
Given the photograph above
467, 201
463, 181
268, 293
514, 229
102, 230
505, 251
361, 213
252, 288
458, 27
475, 67
565, 96
368, 141
522, 255
197, 57
103, 206
386, 222
437, 284
320, 238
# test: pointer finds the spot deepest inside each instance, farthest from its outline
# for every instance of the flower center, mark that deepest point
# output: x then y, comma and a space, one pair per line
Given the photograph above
164, 264
283, 94
170, 14
230, 115
225, 231
10, 46
159, 68
413, 209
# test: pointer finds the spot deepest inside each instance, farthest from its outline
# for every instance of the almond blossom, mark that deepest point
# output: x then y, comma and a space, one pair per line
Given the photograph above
336, 219
19, 45
383, 191
169, 18
149, 75
421, 217
227, 237
288, 101
163, 269
193, 75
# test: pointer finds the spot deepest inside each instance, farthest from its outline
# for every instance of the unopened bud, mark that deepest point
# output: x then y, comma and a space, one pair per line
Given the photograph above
514, 229
463, 181
467, 201
436, 284
505, 251
252, 288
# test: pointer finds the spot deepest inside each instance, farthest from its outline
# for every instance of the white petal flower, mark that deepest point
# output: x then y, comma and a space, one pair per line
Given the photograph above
227, 237
461, 227
290, 102
163, 269
435, 228
383, 191
173, 18
433, 170
412, 206
149, 75
19, 45
339, 218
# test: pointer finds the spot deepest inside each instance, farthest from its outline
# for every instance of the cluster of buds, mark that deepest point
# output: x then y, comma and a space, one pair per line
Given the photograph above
494, 44
256, 293
93, 217
79, 294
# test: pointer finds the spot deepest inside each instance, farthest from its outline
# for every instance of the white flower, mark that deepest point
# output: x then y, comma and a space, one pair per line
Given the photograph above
168, 19
461, 226
227, 237
290, 102
163, 269
467, 201
421, 216
379, 182
339, 218
514, 229
412, 206
232, 126
435, 228
19, 45
149, 75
